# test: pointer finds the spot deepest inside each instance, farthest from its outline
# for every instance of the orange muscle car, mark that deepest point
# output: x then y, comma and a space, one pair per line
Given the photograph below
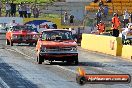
21, 34
57, 45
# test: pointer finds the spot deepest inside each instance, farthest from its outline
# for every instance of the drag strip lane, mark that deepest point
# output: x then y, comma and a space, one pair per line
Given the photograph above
92, 62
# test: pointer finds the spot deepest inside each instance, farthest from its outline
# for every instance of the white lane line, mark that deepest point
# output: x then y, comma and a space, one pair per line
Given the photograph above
3, 84
66, 69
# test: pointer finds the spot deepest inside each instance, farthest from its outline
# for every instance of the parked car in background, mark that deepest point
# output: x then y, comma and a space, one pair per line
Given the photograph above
3, 29
21, 34
57, 45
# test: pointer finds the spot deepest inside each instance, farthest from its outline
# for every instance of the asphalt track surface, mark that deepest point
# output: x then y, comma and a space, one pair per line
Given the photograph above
18, 68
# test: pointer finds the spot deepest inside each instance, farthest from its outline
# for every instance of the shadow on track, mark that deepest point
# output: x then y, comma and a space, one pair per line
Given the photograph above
13, 78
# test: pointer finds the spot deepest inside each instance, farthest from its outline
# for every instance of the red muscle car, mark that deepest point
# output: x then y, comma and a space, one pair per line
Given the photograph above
21, 34
57, 45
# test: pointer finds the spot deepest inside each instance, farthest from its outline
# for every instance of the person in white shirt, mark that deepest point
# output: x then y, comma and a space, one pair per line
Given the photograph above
8, 9
125, 31
20, 10
28, 11
126, 18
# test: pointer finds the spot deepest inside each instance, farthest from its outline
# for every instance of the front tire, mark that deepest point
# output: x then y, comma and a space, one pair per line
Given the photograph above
11, 43
30, 44
7, 42
39, 59
76, 60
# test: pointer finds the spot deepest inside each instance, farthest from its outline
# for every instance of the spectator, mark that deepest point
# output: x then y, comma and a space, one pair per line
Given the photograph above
108, 1
101, 3
98, 16
71, 19
8, 9
100, 27
28, 11
95, 1
125, 31
54, 26
73, 31
13, 9
115, 25
24, 10
20, 10
36, 12
1, 8
106, 10
65, 18
126, 18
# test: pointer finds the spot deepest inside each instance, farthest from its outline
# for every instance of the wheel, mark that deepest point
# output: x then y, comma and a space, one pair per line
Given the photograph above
39, 59
51, 62
69, 62
76, 60
30, 44
35, 43
11, 43
7, 42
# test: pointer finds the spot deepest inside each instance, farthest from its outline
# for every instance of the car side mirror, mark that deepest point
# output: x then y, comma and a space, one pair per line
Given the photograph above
40, 36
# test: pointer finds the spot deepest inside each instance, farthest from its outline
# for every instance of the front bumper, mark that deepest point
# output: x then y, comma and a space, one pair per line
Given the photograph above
57, 55
24, 41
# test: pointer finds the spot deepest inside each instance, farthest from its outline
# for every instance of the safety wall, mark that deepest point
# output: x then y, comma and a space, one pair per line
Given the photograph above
127, 51
104, 44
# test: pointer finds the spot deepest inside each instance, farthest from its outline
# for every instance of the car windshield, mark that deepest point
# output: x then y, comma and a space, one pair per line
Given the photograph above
16, 28
57, 35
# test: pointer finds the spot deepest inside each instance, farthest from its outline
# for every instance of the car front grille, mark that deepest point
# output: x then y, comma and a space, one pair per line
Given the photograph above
59, 49
26, 37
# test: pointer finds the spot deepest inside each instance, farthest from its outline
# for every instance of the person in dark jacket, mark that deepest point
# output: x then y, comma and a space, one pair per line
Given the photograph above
108, 1
95, 1
13, 9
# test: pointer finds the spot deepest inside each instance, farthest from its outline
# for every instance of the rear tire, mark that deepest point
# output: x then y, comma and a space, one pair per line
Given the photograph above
39, 59
7, 42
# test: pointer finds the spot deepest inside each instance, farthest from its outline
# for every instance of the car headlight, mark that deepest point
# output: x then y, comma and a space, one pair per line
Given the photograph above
35, 37
14, 36
74, 49
43, 49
